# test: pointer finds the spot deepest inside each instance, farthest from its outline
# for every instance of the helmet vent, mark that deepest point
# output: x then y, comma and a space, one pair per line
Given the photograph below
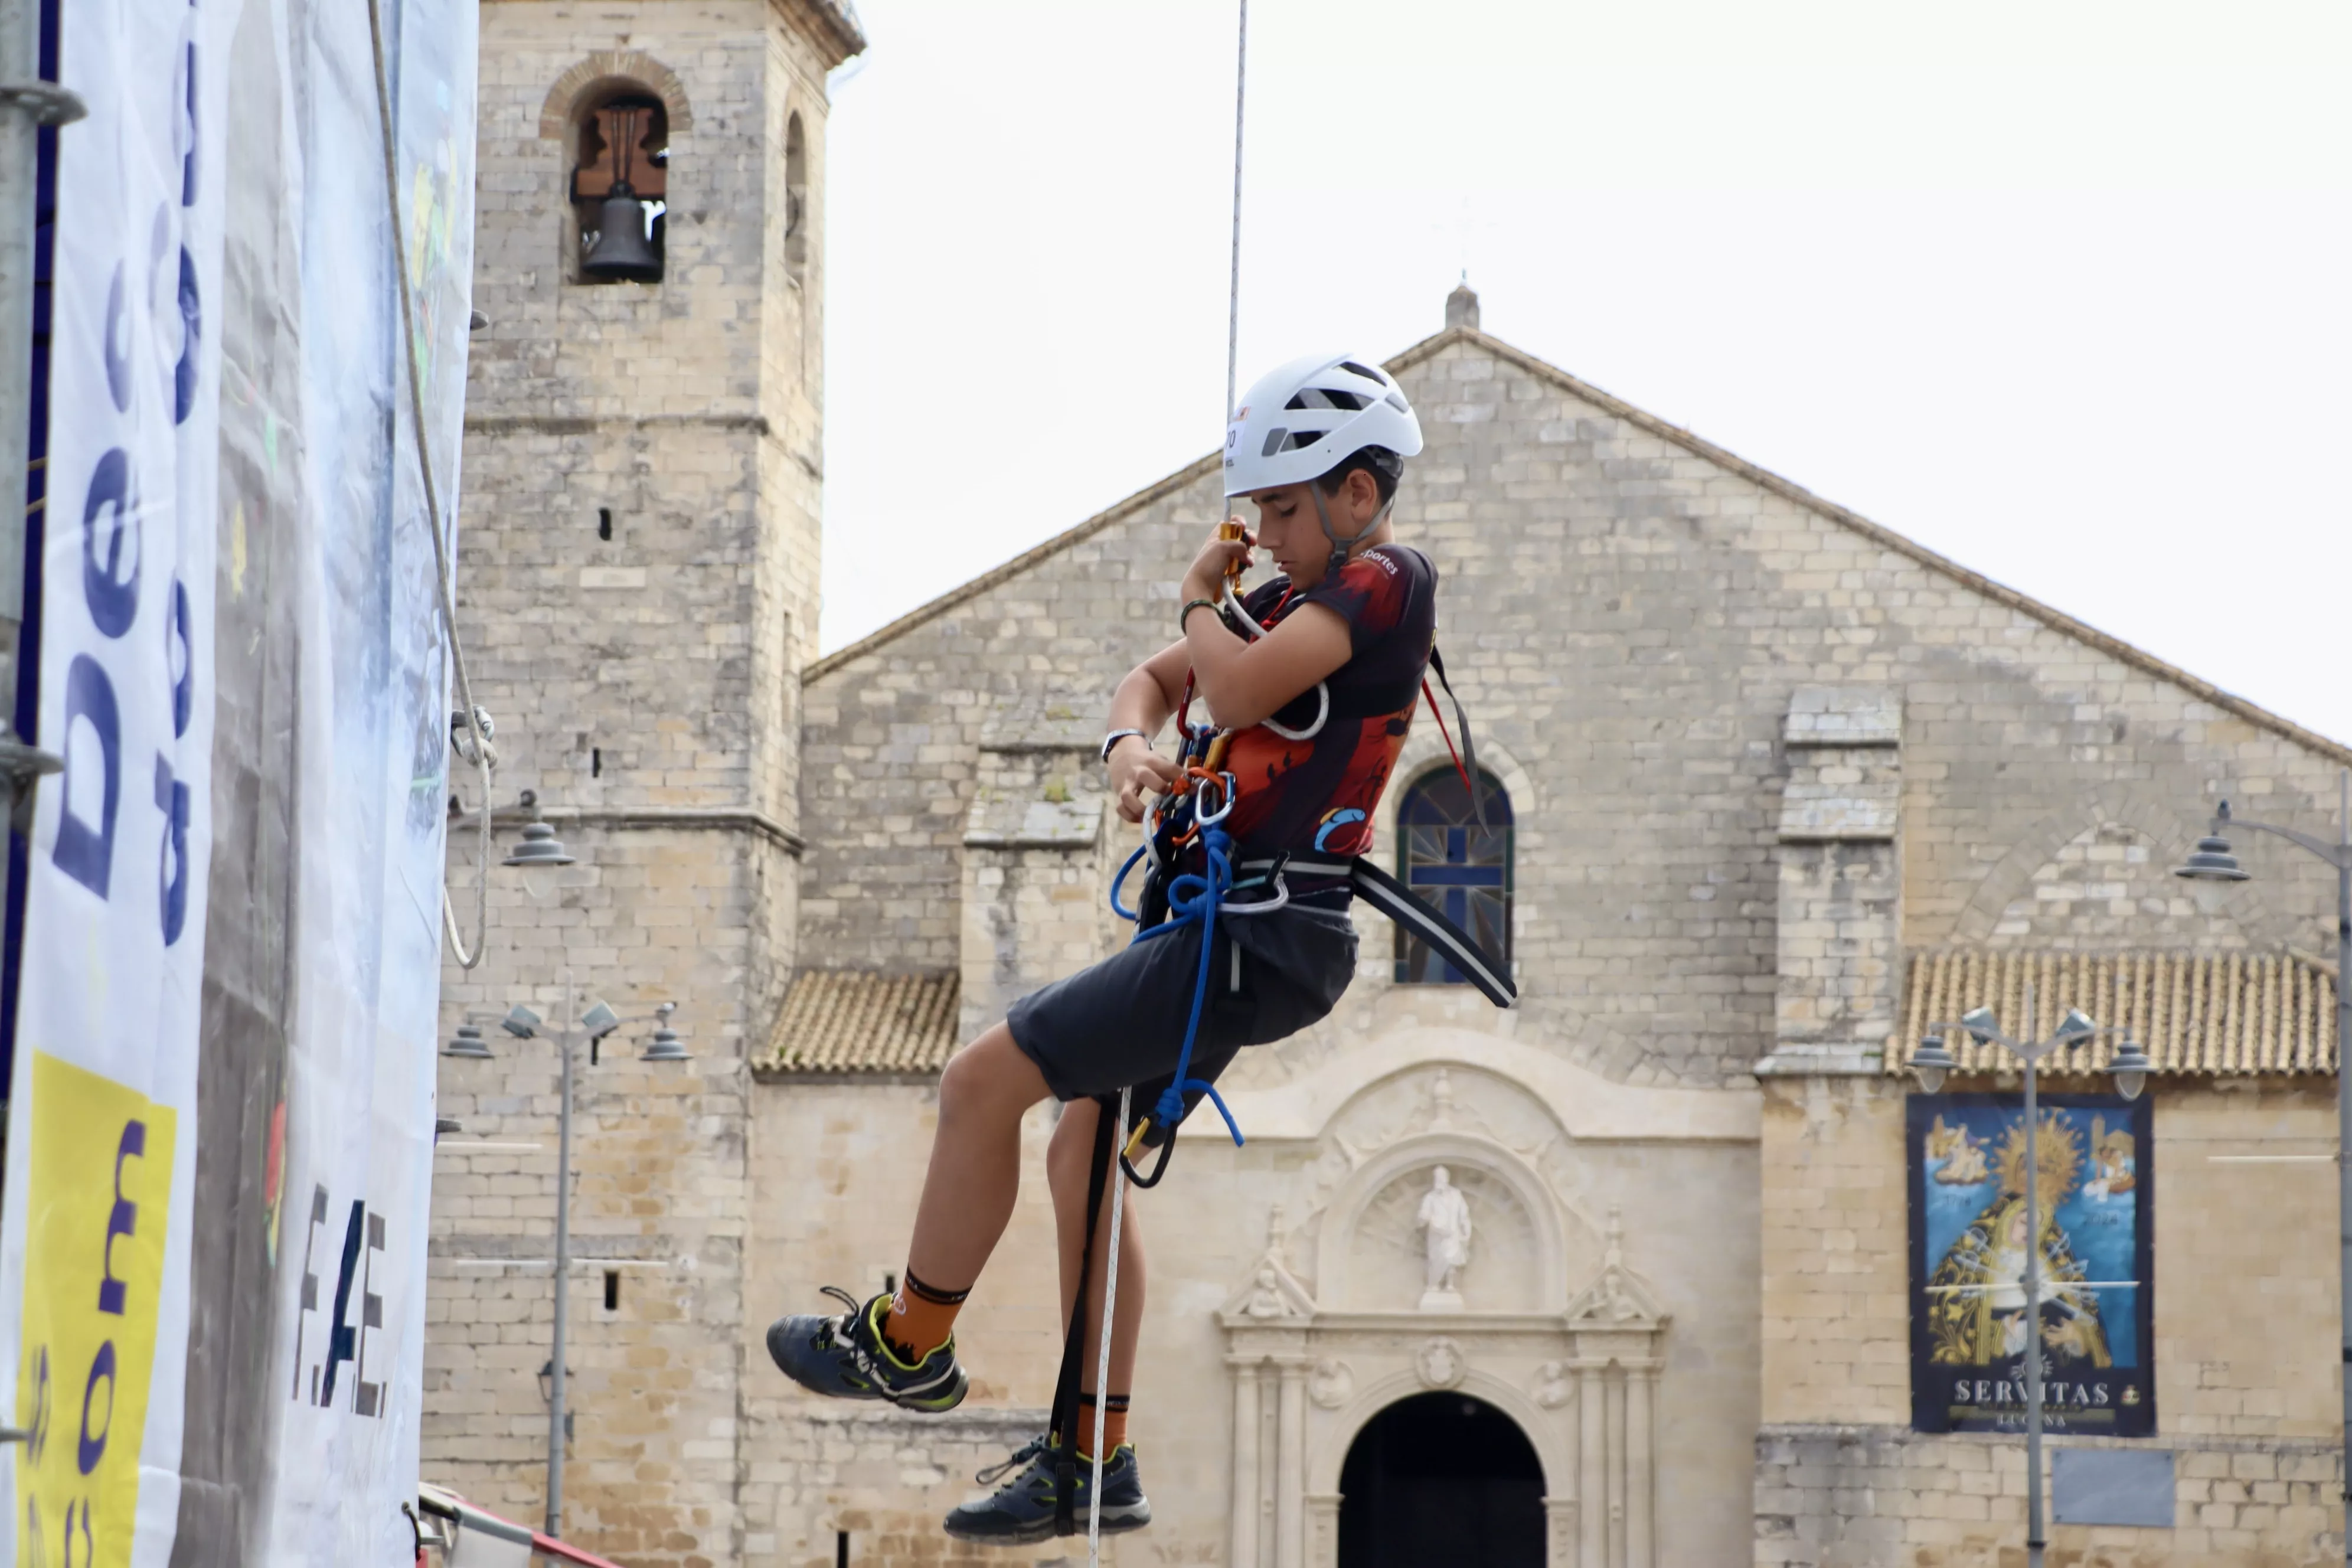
1274, 441
1365, 370
1396, 401
1328, 397
1302, 438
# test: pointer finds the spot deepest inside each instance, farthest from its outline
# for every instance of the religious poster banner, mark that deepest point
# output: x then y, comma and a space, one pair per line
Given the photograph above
1966, 1157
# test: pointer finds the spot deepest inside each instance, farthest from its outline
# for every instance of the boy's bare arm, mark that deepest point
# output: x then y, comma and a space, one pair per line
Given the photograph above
1246, 682
1143, 701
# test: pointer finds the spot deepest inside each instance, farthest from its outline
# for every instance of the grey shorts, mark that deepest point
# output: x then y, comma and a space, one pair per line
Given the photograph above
1120, 1023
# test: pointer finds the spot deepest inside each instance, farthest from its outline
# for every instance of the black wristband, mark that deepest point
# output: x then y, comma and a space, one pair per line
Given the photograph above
1192, 604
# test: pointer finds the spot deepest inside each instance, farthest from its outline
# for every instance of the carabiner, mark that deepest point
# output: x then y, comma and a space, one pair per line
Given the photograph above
1226, 792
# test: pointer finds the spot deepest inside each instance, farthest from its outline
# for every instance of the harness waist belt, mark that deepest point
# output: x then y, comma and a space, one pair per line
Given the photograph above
1394, 899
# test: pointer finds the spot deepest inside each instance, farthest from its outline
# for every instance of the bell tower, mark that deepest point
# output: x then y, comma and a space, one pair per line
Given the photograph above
637, 566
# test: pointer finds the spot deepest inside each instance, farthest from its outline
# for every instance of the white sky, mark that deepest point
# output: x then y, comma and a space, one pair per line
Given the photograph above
2058, 290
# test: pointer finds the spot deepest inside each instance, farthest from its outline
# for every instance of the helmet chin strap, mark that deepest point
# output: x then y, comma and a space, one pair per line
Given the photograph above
1340, 547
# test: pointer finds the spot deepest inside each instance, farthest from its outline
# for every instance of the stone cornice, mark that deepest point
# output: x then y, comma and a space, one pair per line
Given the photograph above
721, 818
831, 25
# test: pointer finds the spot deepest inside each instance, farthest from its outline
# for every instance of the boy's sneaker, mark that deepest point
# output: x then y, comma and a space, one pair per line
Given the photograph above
1021, 1511
846, 1357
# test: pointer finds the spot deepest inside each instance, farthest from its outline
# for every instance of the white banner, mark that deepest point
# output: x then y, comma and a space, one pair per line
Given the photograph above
371, 763
102, 1134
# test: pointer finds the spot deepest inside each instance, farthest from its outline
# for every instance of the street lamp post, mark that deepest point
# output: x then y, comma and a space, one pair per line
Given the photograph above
1933, 1062
2213, 864
596, 1023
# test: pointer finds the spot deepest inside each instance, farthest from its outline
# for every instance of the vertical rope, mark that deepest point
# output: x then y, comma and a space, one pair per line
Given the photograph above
1102, 1358
1233, 287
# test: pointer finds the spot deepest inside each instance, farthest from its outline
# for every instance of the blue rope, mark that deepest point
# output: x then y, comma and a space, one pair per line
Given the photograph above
1192, 899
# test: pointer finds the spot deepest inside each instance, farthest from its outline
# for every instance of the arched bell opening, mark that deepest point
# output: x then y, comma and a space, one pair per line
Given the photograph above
620, 186
1440, 1479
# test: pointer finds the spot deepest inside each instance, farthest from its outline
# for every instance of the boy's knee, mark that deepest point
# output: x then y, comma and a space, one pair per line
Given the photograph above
988, 1076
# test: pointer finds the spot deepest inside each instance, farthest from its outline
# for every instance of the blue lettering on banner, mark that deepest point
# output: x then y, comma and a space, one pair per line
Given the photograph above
116, 347
92, 1448
186, 129
83, 851
173, 800
113, 598
123, 1220
179, 655
184, 377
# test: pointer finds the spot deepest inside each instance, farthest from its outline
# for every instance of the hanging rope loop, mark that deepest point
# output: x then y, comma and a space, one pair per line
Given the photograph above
482, 753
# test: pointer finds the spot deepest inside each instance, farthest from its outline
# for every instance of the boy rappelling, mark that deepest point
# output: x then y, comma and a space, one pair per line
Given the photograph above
1254, 844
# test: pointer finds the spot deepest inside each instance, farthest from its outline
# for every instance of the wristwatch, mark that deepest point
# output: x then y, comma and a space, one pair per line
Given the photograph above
1115, 737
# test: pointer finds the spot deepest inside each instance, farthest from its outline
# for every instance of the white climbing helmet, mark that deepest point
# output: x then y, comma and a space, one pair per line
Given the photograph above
1303, 420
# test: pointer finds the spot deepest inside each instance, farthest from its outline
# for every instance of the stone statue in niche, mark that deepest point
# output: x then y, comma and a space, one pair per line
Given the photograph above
1444, 1222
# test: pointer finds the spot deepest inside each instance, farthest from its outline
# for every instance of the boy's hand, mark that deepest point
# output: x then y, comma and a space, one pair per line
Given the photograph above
1206, 579
1136, 770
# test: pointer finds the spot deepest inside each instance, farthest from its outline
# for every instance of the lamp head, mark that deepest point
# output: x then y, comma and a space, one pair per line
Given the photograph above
599, 1021
539, 857
665, 1046
469, 1046
2212, 862
1981, 1025
2131, 1067
520, 1022
2075, 1028
1932, 1063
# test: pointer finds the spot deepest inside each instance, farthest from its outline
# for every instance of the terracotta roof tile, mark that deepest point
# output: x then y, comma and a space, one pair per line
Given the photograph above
2227, 1014
856, 1021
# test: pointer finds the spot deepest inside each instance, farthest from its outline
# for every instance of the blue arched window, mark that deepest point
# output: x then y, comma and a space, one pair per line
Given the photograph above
1457, 866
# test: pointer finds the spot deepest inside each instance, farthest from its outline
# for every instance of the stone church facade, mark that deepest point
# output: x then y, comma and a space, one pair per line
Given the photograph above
1783, 788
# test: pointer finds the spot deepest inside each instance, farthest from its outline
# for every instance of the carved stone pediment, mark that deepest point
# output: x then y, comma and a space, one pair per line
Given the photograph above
1618, 1298
1272, 1294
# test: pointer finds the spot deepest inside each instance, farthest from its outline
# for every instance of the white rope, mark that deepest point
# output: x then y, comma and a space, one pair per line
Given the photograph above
1233, 289
485, 758
1118, 1175
1102, 1358
1322, 688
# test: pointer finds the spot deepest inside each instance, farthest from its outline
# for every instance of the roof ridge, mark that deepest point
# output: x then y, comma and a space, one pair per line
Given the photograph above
1190, 473
1879, 533
1976, 582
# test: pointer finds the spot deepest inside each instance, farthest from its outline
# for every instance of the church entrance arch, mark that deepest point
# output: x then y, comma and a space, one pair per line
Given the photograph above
1439, 1479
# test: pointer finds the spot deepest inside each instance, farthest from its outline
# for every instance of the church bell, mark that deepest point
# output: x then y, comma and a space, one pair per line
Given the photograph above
621, 250
623, 170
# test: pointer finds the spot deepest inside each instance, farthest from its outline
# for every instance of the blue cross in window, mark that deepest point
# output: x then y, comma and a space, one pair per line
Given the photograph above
1456, 867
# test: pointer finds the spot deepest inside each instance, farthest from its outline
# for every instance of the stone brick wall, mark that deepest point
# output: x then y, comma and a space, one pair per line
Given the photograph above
648, 690
2246, 1340
658, 1200
1877, 1496
838, 1167
1627, 619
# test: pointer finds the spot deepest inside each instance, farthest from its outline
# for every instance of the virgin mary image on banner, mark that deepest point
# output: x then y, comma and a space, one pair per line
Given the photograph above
1971, 1237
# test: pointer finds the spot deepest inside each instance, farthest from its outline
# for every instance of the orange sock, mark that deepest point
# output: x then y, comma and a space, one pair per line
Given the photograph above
921, 1318
1114, 1424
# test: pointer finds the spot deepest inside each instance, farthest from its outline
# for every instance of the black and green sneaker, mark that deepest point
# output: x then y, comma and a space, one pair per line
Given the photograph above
1020, 1512
846, 1357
